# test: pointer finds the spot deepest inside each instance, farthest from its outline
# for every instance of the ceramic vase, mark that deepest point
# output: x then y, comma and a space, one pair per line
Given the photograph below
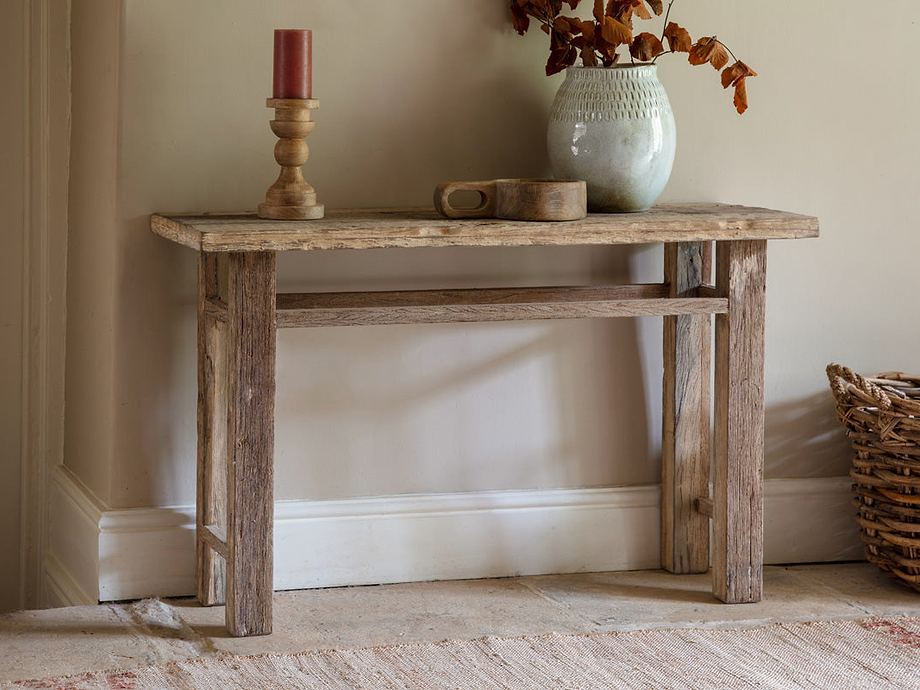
613, 128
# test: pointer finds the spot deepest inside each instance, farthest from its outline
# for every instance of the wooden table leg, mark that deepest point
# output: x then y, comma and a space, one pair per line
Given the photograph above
236, 400
211, 522
739, 422
686, 407
250, 441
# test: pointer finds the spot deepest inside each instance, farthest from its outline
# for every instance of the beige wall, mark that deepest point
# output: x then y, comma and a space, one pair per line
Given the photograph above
93, 247
436, 91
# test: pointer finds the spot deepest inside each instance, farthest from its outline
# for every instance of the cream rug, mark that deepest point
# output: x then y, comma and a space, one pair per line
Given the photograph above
850, 655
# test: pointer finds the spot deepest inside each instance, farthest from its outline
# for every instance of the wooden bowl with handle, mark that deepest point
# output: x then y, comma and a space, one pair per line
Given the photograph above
517, 199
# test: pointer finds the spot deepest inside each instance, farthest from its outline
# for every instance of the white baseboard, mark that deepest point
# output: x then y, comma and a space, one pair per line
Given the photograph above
150, 552
59, 588
460, 536
70, 567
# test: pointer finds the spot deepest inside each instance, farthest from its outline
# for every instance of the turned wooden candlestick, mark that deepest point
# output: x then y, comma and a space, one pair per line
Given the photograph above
291, 198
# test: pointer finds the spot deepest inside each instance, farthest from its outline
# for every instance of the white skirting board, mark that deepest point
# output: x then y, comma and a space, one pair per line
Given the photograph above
131, 554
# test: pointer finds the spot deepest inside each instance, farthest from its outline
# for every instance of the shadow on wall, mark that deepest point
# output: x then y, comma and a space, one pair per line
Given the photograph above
155, 430
440, 408
805, 439
462, 408
473, 407
393, 410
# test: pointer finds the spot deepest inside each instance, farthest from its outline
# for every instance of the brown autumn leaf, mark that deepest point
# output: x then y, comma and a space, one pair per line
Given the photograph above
678, 38
741, 103
639, 8
614, 7
711, 50
557, 5
646, 47
636, 7
559, 40
536, 8
561, 58
519, 19
735, 76
642, 11
588, 57
599, 40
732, 75
623, 10
574, 24
608, 52
561, 26
615, 32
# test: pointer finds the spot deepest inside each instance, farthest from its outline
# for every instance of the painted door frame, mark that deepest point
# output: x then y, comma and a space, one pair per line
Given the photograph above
46, 110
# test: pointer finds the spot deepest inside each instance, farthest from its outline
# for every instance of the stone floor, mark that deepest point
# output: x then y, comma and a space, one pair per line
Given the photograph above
36, 644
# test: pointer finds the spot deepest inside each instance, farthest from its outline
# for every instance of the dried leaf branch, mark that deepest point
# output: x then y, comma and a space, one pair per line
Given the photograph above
598, 42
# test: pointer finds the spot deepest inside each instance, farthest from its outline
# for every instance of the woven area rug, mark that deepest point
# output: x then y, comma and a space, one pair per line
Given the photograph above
850, 655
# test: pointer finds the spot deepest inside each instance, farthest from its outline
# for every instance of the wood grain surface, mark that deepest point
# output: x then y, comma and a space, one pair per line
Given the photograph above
250, 441
479, 305
239, 312
737, 510
517, 199
382, 228
291, 197
685, 415
211, 504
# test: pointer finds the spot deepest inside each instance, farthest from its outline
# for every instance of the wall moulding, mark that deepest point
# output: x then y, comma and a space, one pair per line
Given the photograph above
150, 551
46, 175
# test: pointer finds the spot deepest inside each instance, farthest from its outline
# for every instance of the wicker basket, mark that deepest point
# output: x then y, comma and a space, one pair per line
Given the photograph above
882, 416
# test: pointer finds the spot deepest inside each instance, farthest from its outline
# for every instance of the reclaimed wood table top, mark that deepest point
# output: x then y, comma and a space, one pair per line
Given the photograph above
424, 227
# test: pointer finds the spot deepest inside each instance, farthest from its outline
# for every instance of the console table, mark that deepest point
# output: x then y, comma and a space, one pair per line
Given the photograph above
239, 312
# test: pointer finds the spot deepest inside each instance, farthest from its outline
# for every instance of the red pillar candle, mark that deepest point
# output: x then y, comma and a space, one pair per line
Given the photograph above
293, 73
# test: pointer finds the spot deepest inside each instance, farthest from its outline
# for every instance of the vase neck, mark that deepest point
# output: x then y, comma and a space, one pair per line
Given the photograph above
614, 73
604, 94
